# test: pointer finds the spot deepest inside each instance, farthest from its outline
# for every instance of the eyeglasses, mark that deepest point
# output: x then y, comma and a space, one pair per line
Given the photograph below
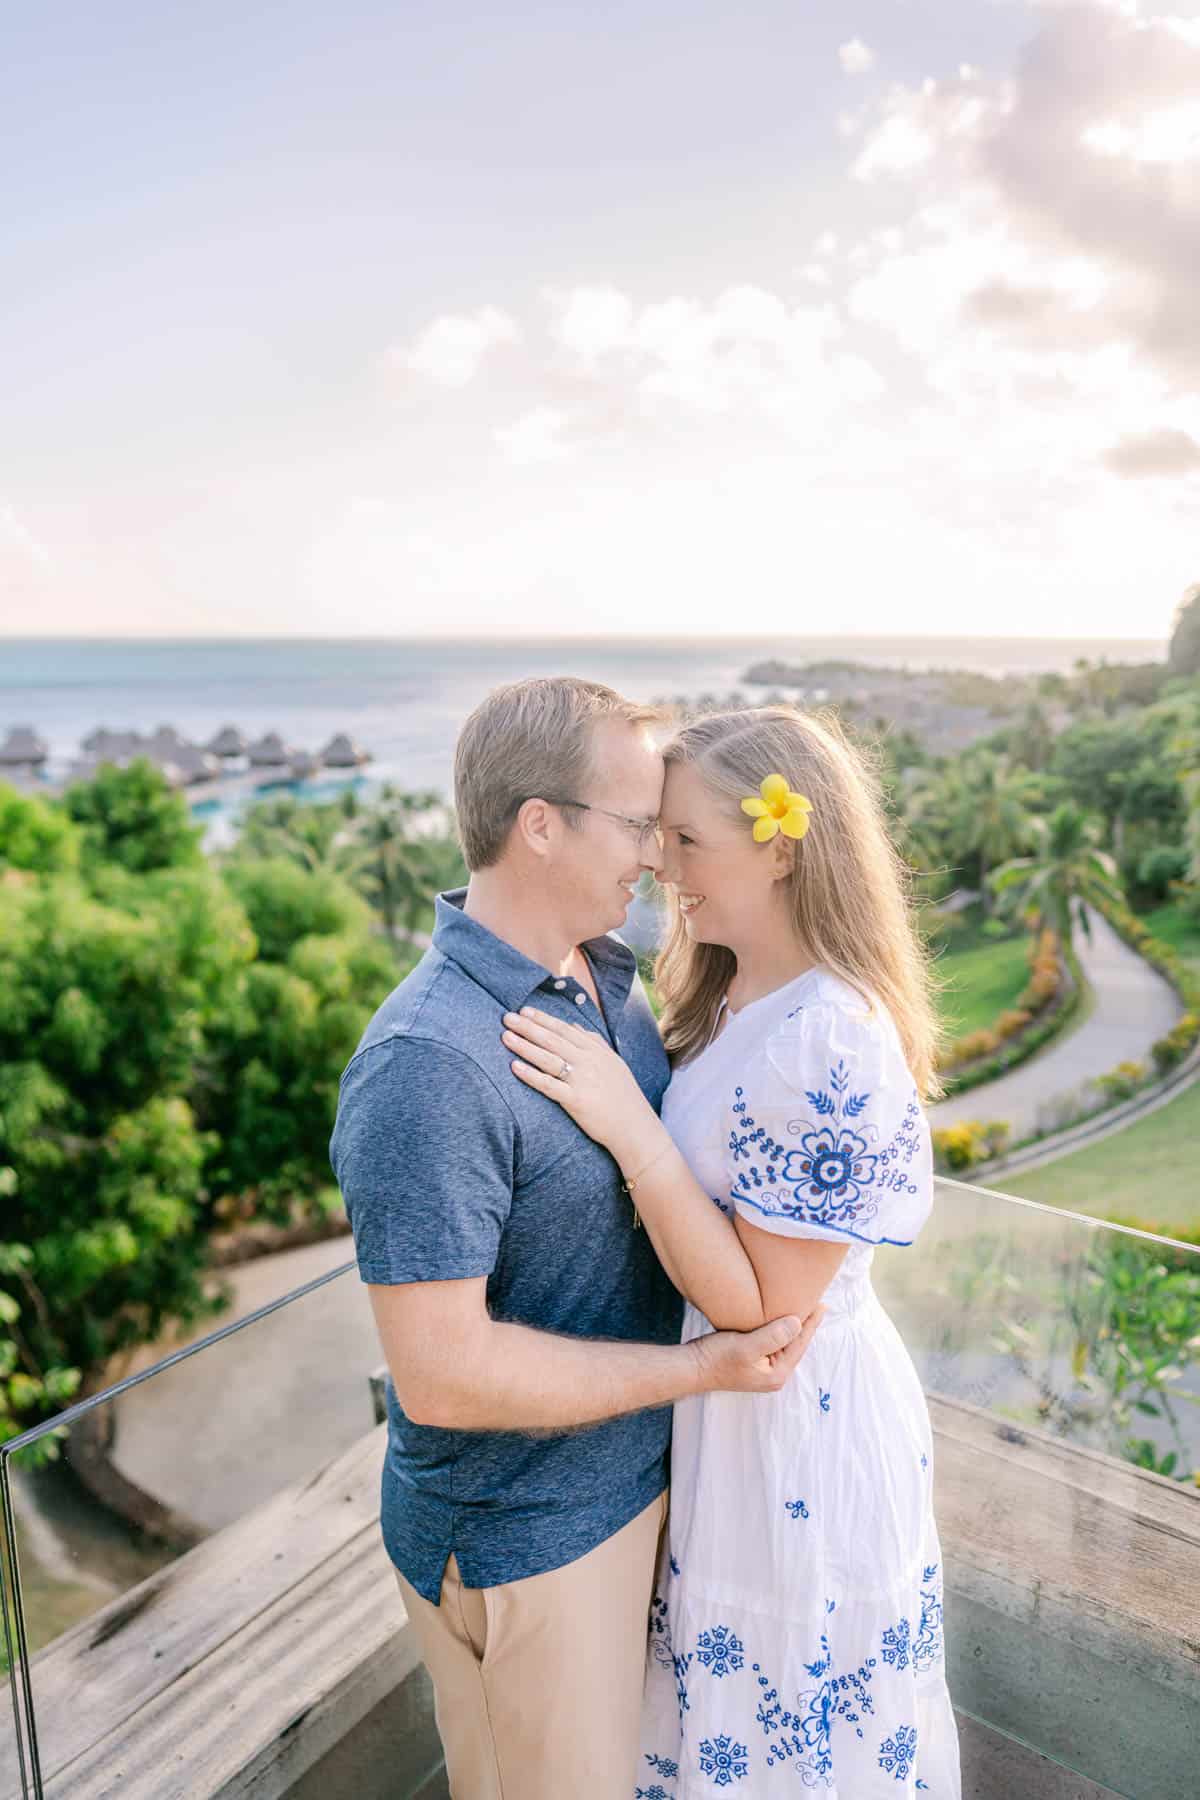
639, 829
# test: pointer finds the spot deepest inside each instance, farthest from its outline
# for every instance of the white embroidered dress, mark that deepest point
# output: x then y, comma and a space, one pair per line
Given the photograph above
796, 1626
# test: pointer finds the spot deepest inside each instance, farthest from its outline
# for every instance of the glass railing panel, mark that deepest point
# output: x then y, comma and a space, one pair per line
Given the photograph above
1061, 1359
228, 1427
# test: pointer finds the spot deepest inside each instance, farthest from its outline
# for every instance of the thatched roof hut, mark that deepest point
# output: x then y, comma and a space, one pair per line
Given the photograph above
229, 741
341, 752
118, 747
22, 745
187, 764
269, 752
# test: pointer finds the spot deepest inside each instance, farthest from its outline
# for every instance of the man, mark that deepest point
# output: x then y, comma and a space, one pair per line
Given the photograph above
531, 1336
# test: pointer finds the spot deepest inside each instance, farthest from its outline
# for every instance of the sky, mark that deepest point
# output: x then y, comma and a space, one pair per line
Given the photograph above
666, 317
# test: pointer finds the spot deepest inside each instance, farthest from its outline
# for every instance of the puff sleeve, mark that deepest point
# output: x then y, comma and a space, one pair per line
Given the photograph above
828, 1138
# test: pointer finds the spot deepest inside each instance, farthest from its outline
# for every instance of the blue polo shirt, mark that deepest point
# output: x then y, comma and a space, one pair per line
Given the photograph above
451, 1167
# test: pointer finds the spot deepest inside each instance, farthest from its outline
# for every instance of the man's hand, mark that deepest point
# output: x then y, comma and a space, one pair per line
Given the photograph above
753, 1362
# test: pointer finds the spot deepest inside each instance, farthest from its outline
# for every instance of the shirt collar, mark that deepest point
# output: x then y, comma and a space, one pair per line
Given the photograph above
511, 977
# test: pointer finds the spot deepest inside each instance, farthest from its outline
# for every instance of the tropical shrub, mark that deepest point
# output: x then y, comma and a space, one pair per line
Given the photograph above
1121, 1082
957, 1148
1170, 1050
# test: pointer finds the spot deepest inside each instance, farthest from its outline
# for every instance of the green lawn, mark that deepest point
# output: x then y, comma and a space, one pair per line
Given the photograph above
983, 977
1148, 1173
1173, 926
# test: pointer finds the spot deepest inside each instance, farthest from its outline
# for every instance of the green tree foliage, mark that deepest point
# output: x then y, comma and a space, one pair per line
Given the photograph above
171, 1039
132, 817
1064, 873
311, 834
395, 851
1183, 655
102, 1014
276, 1049
972, 815
35, 835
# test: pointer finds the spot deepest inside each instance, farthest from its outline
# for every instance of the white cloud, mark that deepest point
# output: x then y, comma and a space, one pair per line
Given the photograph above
855, 57
536, 437
450, 350
1154, 453
1170, 135
591, 320
985, 378
748, 351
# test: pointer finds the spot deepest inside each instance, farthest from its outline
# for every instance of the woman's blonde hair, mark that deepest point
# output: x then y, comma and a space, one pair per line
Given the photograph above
850, 891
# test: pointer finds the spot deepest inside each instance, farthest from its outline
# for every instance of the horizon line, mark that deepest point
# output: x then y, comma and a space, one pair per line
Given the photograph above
544, 637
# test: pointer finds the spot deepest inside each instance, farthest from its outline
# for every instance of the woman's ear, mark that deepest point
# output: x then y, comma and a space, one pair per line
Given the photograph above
783, 856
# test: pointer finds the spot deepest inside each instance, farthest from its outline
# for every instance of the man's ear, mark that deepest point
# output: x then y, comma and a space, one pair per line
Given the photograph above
533, 826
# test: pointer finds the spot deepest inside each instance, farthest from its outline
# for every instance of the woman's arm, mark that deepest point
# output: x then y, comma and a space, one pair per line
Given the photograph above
735, 1274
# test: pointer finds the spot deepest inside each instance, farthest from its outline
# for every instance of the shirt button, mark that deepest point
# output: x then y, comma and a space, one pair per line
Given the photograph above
560, 985
581, 999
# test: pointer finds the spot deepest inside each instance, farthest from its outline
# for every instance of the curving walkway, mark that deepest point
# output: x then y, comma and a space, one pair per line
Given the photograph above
1132, 1005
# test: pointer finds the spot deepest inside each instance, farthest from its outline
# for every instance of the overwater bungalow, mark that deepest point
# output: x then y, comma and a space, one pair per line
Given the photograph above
229, 741
341, 752
120, 747
22, 746
270, 752
186, 764
165, 738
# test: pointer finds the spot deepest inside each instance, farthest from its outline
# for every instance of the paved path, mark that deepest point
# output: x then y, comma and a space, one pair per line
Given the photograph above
1132, 1006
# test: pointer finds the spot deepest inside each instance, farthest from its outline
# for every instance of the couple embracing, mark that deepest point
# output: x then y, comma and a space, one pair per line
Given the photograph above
601, 1253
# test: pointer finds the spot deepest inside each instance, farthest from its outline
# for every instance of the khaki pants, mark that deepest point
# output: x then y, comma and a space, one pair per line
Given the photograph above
538, 1683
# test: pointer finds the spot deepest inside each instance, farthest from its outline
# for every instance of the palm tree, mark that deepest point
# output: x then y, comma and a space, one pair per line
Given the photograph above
1065, 874
304, 832
990, 812
395, 865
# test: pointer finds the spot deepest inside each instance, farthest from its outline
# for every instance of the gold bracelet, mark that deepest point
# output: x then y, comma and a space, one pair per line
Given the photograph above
631, 1181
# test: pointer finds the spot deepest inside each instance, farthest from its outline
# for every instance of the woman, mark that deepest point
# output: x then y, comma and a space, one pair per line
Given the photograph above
796, 1633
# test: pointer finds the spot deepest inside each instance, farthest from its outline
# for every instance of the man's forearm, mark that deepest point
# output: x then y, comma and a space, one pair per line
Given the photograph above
521, 1379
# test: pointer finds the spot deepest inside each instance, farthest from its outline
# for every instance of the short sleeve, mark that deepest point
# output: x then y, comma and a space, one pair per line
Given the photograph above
828, 1138
424, 1151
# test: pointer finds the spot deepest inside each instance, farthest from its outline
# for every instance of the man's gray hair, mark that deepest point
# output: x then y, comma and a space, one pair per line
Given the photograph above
529, 740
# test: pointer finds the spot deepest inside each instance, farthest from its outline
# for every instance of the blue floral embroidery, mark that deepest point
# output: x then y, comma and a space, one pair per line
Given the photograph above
681, 1665
896, 1646
797, 1508
927, 1651
750, 1133
900, 1649
665, 1767
719, 1651
674, 1566
806, 1735
660, 1632
924, 1460
835, 1177
898, 1752
724, 1759
824, 1395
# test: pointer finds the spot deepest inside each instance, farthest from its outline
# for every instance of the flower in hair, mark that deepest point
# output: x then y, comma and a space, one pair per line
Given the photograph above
778, 810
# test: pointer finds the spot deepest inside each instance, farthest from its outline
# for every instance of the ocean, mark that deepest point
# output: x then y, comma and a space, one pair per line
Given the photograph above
405, 699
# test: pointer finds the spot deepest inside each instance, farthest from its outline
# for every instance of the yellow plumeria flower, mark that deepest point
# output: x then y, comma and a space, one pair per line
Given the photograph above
778, 810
